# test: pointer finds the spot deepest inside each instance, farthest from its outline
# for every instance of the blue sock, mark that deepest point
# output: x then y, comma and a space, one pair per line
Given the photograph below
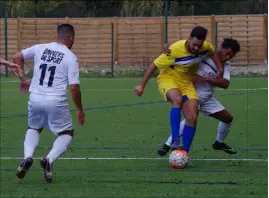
187, 137
175, 114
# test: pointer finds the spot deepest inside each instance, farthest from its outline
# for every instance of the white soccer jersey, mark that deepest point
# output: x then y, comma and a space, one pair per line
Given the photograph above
55, 66
207, 68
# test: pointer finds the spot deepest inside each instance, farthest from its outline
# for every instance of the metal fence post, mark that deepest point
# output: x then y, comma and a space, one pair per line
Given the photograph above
112, 49
166, 22
216, 35
6, 46
265, 34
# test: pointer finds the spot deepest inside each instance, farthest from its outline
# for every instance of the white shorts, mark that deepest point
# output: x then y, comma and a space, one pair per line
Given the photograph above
49, 111
210, 105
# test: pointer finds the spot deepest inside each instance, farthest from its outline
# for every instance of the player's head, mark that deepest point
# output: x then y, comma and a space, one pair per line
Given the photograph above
196, 39
66, 34
228, 49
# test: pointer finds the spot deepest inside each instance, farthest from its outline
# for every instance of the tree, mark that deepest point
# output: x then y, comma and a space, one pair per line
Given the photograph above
131, 8
143, 8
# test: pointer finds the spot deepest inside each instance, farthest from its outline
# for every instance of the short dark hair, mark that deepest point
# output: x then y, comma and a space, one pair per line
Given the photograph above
65, 30
232, 44
199, 32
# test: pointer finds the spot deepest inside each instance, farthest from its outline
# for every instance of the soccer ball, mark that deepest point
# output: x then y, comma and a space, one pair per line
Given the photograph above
178, 159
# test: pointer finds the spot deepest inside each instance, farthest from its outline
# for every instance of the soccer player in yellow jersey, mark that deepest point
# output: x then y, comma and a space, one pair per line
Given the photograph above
174, 81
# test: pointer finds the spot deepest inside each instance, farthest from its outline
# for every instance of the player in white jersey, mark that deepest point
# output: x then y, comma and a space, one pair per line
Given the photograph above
205, 81
55, 67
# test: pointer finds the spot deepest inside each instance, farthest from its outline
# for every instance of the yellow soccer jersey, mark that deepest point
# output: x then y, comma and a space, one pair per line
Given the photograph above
180, 59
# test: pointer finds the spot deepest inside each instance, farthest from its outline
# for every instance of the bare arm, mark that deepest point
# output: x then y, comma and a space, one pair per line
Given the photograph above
215, 57
76, 96
140, 87
219, 82
15, 68
5, 62
19, 60
162, 62
151, 69
73, 79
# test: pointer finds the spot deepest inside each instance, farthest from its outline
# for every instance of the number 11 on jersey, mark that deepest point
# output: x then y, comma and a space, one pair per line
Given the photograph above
51, 69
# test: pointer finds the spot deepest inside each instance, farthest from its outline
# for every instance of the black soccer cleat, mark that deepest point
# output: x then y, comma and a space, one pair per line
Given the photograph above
222, 146
47, 168
163, 150
24, 167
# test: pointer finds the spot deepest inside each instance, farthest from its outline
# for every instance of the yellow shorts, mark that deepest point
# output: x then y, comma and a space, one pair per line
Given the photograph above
182, 84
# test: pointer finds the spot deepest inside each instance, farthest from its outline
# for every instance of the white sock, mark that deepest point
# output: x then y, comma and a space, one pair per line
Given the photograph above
31, 141
60, 145
223, 130
182, 124
169, 141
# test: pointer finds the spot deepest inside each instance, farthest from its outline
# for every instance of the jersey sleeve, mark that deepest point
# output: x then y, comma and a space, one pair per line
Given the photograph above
164, 61
73, 72
227, 74
29, 53
208, 46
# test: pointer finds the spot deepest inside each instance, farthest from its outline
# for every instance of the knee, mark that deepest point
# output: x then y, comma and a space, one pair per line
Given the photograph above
67, 132
174, 97
38, 130
228, 119
191, 119
177, 101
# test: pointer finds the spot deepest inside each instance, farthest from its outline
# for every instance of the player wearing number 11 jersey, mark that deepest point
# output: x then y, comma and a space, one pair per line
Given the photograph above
55, 67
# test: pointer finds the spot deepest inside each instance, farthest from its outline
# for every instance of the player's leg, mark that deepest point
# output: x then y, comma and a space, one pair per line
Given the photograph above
215, 109
190, 110
60, 123
60, 146
223, 129
175, 98
36, 121
170, 90
167, 145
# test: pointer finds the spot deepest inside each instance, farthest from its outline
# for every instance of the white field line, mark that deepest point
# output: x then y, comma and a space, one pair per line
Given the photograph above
136, 158
115, 90
96, 79
253, 89
9, 81
82, 79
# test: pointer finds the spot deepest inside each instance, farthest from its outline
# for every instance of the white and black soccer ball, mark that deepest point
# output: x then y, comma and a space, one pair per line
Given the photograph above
178, 159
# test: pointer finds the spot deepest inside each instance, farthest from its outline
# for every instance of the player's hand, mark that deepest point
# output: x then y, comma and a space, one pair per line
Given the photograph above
16, 69
219, 74
166, 49
80, 116
199, 79
19, 73
24, 86
139, 90
13, 65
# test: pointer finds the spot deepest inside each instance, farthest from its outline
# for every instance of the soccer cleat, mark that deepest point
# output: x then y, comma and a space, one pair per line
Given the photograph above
47, 168
24, 167
222, 146
163, 150
176, 145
